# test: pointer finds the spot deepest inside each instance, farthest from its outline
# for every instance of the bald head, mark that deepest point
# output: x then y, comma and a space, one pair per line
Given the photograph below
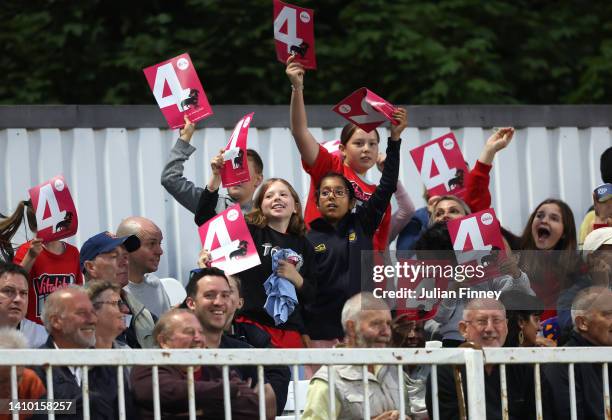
146, 258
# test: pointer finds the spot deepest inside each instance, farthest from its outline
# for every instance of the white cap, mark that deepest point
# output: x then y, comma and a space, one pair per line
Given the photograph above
597, 238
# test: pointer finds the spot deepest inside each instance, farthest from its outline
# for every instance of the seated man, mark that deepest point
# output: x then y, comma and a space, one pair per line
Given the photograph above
180, 329
363, 328
71, 321
592, 320
210, 297
105, 257
14, 304
409, 331
485, 325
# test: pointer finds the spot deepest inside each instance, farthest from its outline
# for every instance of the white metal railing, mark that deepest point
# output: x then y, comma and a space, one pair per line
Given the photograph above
474, 361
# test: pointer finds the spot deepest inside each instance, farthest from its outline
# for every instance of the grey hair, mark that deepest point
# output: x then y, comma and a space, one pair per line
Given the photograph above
454, 198
353, 307
483, 303
584, 300
54, 307
10, 338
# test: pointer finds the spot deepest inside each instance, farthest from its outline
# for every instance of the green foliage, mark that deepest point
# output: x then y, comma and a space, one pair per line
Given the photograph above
409, 51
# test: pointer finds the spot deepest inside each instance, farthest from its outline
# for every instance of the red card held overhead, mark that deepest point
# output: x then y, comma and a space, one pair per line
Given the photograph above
235, 167
477, 239
56, 215
441, 165
365, 109
294, 34
178, 91
229, 241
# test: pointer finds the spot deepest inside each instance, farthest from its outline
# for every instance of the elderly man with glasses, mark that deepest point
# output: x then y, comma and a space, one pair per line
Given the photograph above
484, 324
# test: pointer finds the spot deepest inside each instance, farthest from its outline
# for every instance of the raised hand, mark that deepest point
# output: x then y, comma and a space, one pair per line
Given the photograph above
401, 116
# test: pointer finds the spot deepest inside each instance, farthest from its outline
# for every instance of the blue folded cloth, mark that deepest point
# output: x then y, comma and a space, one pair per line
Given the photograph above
282, 298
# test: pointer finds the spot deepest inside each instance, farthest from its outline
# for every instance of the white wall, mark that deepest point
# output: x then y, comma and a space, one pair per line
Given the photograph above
113, 173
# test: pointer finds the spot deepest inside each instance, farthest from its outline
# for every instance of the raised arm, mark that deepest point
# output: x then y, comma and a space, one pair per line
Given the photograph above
183, 190
478, 196
306, 143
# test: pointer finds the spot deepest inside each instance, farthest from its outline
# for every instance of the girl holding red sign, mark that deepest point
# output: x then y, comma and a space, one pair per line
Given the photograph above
51, 265
360, 150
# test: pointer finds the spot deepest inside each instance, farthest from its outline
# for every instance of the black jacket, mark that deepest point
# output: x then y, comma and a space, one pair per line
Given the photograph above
268, 241
277, 376
521, 402
589, 387
103, 397
339, 253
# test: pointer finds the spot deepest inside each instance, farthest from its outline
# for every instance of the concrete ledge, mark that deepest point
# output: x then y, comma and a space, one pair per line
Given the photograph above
141, 116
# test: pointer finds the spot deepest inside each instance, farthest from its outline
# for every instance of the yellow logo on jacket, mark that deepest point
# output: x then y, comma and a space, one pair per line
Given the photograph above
352, 236
320, 248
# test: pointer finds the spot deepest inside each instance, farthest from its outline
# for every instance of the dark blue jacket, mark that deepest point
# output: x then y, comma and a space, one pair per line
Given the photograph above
338, 253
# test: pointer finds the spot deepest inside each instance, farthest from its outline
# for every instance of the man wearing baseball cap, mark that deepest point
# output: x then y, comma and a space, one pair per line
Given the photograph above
597, 253
601, 216
105, 257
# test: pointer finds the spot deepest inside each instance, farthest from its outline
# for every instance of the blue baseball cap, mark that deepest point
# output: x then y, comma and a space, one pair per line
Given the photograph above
603, 193
105, 242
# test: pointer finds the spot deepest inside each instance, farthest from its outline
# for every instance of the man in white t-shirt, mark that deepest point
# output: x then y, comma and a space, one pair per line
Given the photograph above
143, 284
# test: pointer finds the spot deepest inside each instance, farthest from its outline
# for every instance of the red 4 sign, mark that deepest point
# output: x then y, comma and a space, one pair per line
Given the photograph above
419, 295
441, 165
56, 215
229, 241
477, 238
294, 34
235, 168
365, 109
178, 91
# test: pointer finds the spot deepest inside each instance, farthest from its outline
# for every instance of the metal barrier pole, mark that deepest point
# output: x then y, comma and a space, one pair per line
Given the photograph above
14, 393
538, 390
504, 392
474, 370
121, 392
191, 393
366, 392
572, 390
227, 404
156, 407
296, 374
85, 389
262, 392
606, 391
402, 399
434, 392
331, 382
51, 413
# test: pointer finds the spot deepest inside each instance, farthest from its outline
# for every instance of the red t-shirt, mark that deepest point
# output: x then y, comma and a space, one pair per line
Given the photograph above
326, 162
49, 272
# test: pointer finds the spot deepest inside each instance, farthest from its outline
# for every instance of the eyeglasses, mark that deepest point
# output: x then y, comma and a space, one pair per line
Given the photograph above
483, 322
338, 192
118, 303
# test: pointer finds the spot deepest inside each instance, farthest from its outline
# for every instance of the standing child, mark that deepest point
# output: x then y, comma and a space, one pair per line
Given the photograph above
51, 265
360, 150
